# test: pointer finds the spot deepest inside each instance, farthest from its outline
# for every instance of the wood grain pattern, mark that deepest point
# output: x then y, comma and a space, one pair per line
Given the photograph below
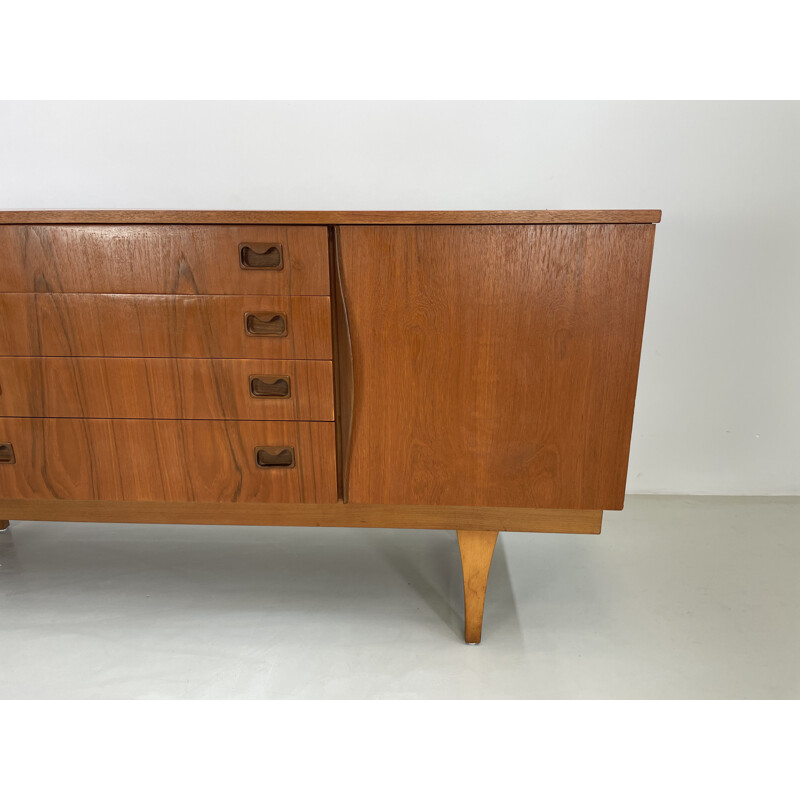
161, 388
160, 326
350, 515
343, 361
69, 459
477, 548
155, 259
167, 217
494, 366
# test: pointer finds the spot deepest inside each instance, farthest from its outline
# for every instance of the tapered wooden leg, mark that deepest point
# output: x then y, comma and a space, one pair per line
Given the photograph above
4, 523
476, 548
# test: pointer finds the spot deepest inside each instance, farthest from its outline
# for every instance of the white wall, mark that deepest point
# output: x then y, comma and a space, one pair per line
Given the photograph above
718, 407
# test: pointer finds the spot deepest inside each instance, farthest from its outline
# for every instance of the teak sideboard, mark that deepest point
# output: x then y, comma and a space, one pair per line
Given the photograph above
464, 370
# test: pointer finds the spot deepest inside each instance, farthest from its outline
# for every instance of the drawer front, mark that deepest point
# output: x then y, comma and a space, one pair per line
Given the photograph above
170, 259
162, 326
166, 388
147, 460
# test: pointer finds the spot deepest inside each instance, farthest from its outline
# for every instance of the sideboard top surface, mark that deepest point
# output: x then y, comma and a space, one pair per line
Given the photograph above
144, 217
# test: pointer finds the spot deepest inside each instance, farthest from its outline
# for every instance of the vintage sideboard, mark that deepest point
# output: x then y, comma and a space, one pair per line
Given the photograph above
473, 371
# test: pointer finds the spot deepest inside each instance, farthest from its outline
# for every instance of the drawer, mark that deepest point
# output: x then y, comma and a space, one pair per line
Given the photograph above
162, 326
171, 259
166, 388
223, 462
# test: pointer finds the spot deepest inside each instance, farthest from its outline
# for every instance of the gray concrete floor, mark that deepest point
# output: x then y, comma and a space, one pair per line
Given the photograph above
680, 597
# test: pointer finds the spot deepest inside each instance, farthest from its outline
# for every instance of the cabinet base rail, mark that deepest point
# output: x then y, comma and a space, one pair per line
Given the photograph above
349, 515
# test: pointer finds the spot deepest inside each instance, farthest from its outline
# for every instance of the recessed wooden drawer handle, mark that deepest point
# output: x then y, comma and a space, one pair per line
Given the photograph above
6, 453
265, 324
270, 386
254, 255
275, 457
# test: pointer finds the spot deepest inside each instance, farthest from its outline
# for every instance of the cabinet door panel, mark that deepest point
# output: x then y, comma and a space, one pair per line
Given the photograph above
494, 365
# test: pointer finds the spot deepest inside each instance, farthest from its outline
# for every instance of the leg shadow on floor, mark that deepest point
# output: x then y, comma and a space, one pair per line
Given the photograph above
431, 566
9, 560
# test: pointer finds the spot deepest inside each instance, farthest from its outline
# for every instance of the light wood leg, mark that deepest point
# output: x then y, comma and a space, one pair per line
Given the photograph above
476, 549
4, 523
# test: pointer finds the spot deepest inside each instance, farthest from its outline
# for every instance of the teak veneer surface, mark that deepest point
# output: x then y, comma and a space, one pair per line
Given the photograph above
351, 515
468, 370
169, 259
494, 366
73, 459
166, 217
162, 388
160, 326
